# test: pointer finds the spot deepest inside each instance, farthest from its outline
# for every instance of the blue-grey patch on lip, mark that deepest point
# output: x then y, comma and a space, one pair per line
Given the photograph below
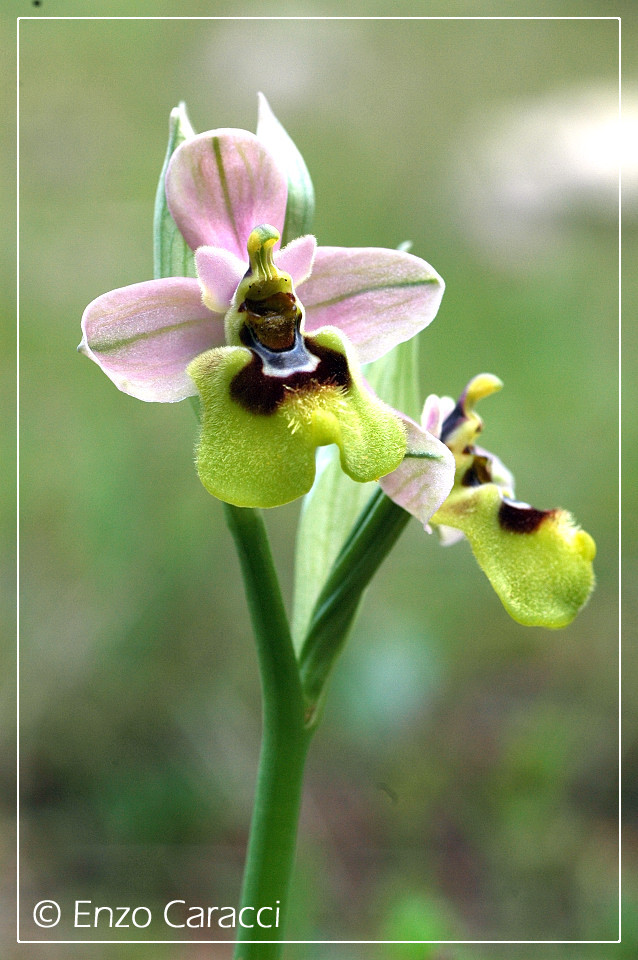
281, 363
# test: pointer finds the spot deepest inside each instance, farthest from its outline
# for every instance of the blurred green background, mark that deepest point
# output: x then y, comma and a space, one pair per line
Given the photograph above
464, 782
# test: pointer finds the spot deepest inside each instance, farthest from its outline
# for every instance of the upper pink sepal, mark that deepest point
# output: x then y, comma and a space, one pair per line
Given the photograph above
377, 297
145, 335
220, 185
422, 482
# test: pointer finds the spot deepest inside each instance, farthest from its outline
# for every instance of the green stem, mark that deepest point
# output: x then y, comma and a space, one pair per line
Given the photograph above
374, 534
285, 740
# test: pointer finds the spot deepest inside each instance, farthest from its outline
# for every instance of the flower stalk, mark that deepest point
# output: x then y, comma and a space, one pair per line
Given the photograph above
285, 740
293, 692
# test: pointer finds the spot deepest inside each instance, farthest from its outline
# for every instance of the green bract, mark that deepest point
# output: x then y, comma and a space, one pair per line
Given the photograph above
171, 255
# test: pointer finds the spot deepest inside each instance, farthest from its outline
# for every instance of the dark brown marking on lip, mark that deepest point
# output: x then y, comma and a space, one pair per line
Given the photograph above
260, 393
519, 519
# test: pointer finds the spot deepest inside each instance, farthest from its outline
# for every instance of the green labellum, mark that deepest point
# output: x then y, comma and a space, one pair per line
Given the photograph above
260, 430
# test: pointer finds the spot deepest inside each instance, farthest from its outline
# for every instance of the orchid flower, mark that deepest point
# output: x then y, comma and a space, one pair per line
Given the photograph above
538, 561
277, 370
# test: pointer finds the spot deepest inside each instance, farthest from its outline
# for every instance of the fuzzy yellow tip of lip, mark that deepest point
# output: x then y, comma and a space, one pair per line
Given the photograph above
585, 545
260, 251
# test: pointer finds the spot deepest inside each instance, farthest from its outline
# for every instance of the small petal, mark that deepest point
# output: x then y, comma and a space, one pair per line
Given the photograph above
298, 258
144, 336
422, 482
220, 185
433, 416
377, 297
219, 272
538, 561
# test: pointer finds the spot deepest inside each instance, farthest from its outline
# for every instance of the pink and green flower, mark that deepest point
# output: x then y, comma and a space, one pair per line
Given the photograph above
270, 337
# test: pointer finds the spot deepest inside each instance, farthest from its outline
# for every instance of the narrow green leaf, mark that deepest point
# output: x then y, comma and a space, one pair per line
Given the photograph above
171, 255
300, 206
